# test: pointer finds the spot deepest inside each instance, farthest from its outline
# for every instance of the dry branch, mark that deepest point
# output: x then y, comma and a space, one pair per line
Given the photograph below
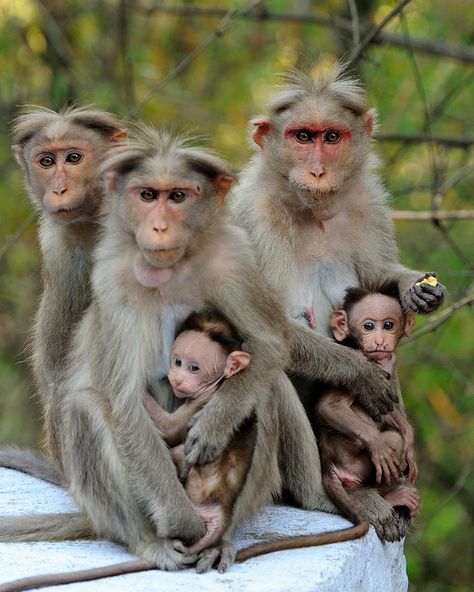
433, 216
427, 46
447, 141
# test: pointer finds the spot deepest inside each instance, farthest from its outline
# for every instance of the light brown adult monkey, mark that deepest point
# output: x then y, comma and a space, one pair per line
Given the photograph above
165, 250
318, 216
356, 451
60, 153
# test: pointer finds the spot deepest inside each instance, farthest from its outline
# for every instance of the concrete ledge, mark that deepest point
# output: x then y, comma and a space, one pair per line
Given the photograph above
365, 565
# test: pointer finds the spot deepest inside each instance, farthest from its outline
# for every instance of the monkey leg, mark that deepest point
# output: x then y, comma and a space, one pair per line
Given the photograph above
100, 484
298, 450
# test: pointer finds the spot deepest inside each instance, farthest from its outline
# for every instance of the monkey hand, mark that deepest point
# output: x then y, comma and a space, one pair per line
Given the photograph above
384, 457
205, 441
373, 391
426, 295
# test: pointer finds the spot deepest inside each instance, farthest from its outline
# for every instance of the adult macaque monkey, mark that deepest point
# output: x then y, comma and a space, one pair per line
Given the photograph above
60, 154
319, 220
355, 450
165, 250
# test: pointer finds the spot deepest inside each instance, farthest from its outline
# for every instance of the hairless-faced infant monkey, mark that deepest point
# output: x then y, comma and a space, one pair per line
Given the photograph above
206, 351
319, 219
355, 450
60, 154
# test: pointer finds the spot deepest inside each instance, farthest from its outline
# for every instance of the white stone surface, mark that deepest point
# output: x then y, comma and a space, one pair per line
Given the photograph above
365, 565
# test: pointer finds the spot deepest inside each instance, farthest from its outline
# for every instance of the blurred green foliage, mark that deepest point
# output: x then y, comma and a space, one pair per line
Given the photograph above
113, 53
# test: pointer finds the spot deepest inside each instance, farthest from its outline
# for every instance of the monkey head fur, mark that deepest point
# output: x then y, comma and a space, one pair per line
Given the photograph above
317, 135
59, 153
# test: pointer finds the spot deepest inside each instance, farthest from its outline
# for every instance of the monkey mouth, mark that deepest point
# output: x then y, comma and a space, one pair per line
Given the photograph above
379, 354
163, 257
67, 214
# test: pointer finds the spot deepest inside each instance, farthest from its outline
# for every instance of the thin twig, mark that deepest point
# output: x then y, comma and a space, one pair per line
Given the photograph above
441, 318
358, 51
447, 141
431, 216
17, 235
355, 22
230, 16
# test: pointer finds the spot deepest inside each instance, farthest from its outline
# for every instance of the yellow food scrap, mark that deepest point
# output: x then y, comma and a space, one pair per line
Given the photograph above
429, 279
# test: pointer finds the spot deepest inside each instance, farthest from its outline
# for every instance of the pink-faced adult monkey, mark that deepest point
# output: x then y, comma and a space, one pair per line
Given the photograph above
319, 219
60, 154
356, 451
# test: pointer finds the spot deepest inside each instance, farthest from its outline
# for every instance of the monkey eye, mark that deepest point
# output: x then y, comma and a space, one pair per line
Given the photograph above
177, 362
74, 157
177, 196
303, 136
193, 368
388, 325
332, 137
46, 161
148, 194
368, 326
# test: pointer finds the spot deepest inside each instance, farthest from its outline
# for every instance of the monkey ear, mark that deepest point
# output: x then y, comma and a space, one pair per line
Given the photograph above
110, 179
222, 184
262, 127
119, 136
369, 122
339, 325
19, 154
409, 322
236, 361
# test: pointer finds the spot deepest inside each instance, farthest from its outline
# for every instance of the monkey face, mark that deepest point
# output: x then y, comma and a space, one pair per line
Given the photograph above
376, 322
61, 173
198, 364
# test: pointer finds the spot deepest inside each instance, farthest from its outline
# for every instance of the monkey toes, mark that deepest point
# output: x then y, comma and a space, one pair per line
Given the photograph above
225, 553
166, 554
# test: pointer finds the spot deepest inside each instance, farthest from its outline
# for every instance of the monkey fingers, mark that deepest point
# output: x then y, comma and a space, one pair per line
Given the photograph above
166, 554
411, 464
224, 552
424, 298
200, 448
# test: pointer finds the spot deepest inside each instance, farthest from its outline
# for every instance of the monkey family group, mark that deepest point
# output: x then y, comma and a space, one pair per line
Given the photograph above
208, 342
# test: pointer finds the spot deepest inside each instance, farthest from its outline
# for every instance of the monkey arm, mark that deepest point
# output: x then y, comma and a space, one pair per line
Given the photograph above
250, 306
399, 422
337, 409
320, 359
173, 426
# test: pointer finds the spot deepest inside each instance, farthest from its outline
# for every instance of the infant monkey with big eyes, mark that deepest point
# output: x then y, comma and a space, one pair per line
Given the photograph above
206, 351
357, 452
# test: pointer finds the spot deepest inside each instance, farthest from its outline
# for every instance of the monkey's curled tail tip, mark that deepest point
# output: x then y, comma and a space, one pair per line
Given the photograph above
299, 542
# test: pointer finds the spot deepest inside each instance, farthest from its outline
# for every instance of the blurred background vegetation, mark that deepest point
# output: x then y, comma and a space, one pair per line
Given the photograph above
199, 67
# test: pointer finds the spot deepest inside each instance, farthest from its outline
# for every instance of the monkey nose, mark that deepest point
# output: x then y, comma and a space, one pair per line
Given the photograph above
318, 174
59, 192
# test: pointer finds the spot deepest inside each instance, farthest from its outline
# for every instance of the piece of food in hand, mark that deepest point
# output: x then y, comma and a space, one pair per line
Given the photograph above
428, 279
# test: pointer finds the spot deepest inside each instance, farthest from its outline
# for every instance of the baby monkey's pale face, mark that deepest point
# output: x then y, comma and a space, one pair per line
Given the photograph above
198, 364
377, 323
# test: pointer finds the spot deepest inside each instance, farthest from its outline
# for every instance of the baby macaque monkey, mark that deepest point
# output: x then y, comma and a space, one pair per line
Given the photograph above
205, 352
356, 451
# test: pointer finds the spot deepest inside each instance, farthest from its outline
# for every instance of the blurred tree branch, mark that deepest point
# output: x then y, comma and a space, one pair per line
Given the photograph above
428, 46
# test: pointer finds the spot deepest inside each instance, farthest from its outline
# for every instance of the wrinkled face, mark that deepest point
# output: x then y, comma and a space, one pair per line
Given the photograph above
377, 323
318, 146
60, 167
198, 364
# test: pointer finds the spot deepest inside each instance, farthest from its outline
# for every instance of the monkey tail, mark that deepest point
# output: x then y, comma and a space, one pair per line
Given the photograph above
298, 542
31, 462
46, 527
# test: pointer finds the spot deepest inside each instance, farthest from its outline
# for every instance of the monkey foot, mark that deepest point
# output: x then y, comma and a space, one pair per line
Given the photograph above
166, 554
223, 554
